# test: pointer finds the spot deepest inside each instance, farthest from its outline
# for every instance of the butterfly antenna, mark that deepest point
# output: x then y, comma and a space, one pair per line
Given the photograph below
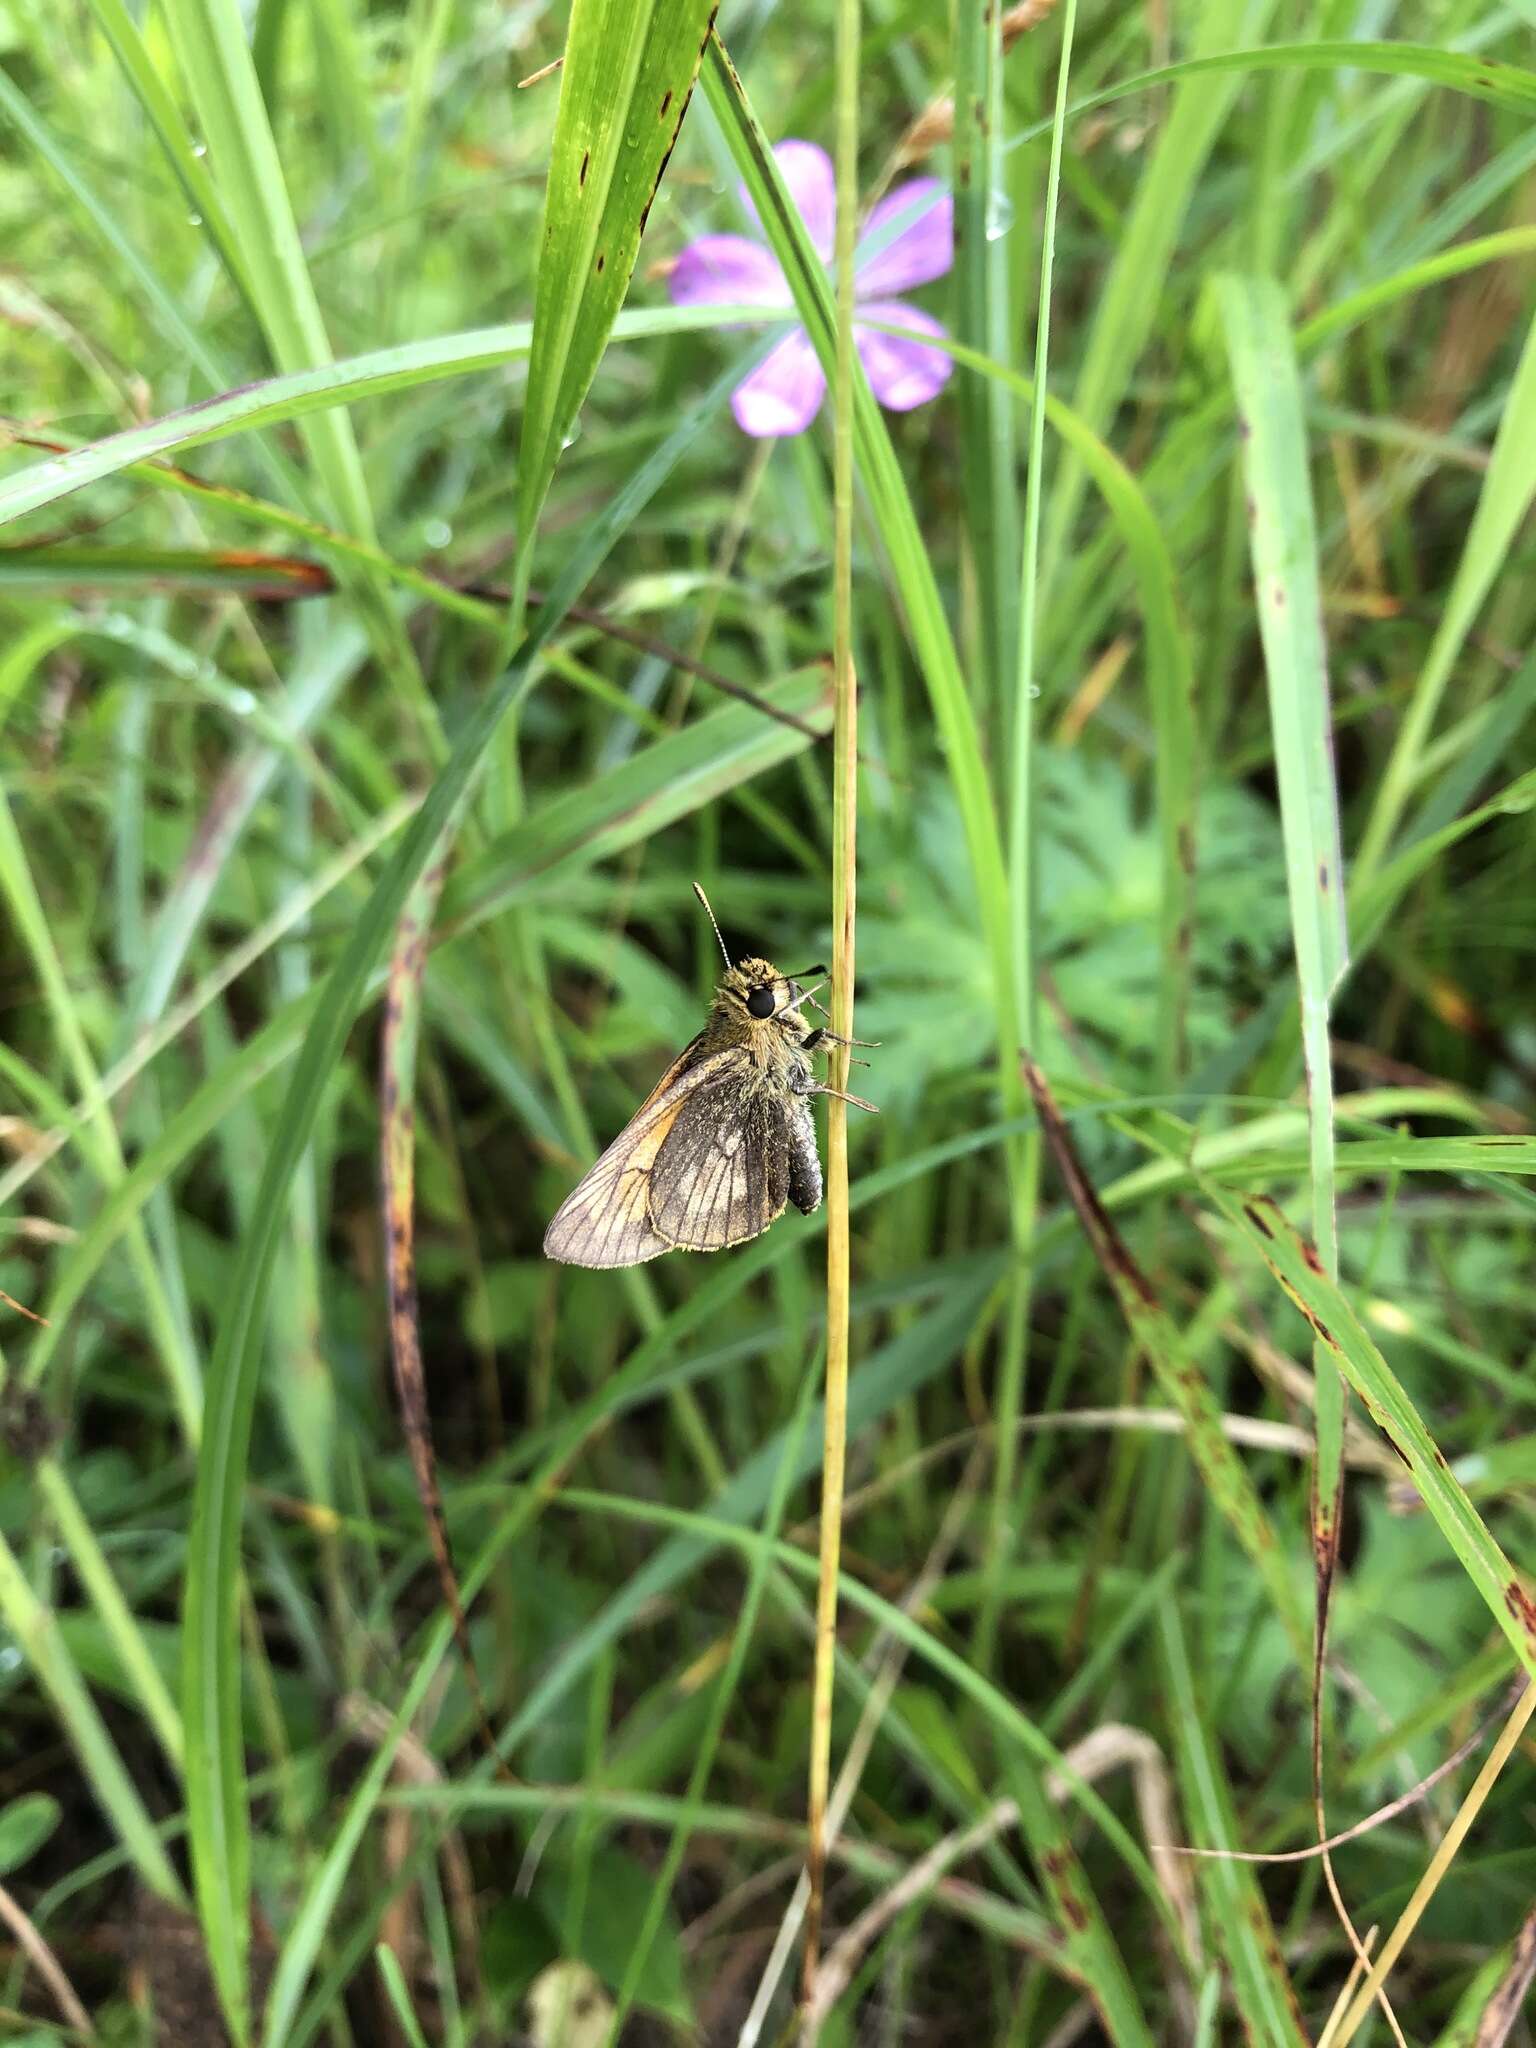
713, 920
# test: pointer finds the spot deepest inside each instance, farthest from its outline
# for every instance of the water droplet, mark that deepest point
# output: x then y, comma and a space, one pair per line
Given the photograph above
999, 214
242, 703
437, 533
199, 149
1033, 690
10, 1657
194, 220
573, 436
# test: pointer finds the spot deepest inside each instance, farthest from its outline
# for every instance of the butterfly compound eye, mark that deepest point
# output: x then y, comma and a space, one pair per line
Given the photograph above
760, 1003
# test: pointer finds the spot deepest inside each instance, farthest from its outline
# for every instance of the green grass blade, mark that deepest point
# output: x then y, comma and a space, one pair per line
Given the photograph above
1506, 496
89, 1560
720, 1704
1170, 688
32, 925
36, 1632
1130, 296
1236, 1914
188, 163
1495, 82
891, 508
988, 432
652, 789
627, 76
215, 58
1289, 598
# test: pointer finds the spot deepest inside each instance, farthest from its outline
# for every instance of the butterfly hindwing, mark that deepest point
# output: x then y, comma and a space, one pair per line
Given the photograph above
605, 1219
722, 1173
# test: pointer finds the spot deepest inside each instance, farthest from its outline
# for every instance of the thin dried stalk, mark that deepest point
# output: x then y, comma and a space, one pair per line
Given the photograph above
402, 1017
46, 1964
844, 856
1341, 2034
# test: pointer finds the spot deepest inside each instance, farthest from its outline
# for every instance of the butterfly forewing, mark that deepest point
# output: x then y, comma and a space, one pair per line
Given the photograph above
722, 1174
605, 1219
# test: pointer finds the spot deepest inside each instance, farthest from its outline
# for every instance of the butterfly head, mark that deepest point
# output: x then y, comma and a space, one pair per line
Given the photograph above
758, 988
753, 994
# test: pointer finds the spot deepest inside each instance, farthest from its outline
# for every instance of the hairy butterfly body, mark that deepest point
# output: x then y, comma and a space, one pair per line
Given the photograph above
723, 1143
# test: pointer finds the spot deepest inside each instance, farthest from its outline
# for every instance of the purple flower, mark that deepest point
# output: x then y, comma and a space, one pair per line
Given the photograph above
908, 240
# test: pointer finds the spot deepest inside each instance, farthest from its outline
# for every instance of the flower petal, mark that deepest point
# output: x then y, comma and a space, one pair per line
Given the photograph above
783, 394
902, 372
727, 270
910, 238
807, 171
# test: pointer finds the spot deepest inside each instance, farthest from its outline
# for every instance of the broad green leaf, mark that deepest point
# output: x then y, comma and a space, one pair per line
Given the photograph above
25, 1824
625, 83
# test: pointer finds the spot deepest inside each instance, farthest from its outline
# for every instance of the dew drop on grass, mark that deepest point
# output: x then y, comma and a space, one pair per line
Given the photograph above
194, 220
437, 533
999, 218
199, 149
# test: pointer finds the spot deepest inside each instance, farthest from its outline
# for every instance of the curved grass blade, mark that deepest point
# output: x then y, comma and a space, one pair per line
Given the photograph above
191, 169
1489, 79
709, 1741
1299, 1271
891, 507
298, 393
219, 1824
1506, 497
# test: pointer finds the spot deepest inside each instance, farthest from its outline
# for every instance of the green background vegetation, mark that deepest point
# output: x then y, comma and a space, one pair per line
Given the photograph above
256, 656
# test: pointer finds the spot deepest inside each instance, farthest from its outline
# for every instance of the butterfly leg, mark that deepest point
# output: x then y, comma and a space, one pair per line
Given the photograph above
822, 1037
857, 1100
803, 1084
824, 1034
